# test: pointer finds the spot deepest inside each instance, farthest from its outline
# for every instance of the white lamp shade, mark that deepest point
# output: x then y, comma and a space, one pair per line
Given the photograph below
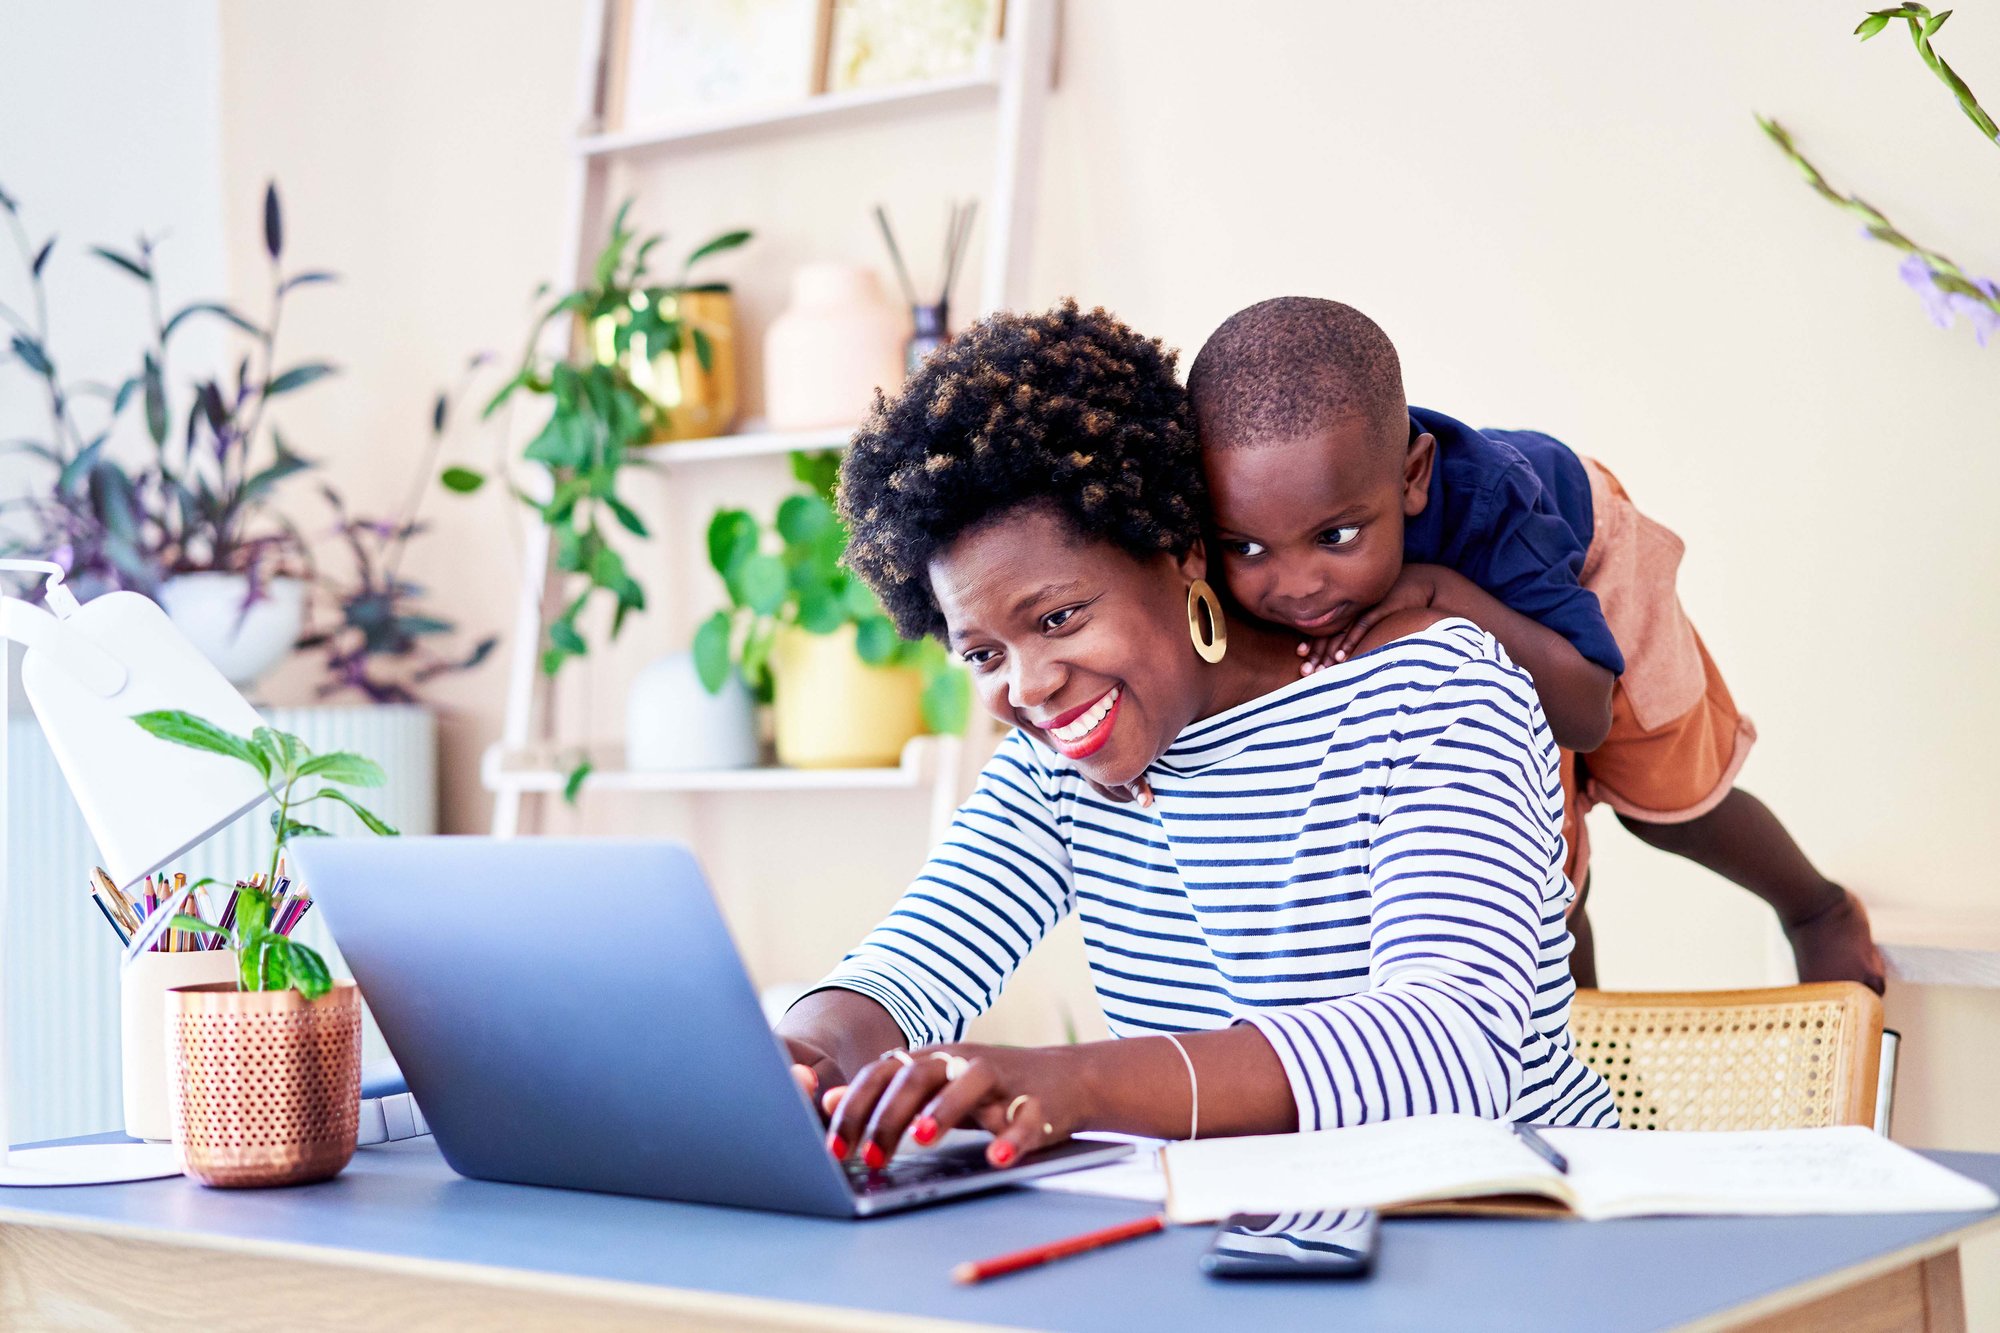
146, 800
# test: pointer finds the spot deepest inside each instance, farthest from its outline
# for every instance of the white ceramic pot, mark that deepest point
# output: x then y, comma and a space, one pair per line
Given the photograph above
673, 722
243, 642
145, 1036
837, 342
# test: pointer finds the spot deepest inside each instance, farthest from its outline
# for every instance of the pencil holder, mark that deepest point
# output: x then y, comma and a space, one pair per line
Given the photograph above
267, 1087
145, 1037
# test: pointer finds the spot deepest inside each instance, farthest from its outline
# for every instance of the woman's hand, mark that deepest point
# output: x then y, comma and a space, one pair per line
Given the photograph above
1026, 1098
813, 1068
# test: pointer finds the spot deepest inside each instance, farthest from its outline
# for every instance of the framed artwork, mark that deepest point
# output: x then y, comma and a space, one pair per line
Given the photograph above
879, 43
674, 58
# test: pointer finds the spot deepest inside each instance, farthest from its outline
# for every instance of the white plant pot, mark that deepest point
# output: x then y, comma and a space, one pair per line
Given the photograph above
672, 722
244, 643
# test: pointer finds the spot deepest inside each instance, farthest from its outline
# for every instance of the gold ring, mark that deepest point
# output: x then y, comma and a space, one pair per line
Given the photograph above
1014, 1107
954, 1065
901, 1057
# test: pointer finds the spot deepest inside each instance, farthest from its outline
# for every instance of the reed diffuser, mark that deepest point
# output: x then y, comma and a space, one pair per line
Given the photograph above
930, 321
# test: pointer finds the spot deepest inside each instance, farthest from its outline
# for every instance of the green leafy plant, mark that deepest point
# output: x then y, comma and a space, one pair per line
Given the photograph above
382, 645
1947, 289
791, 574
203, 500
265, 959
598, 419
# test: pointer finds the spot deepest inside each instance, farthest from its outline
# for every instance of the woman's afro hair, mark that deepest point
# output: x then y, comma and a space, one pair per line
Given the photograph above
1063, 409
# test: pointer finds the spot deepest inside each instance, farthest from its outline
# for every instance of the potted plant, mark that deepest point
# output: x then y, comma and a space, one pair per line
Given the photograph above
268, 1066
193, 525
381, 646
607, 404
809, 637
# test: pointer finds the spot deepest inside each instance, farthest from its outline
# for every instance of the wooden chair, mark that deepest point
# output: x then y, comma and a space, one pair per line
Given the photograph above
1792, 1057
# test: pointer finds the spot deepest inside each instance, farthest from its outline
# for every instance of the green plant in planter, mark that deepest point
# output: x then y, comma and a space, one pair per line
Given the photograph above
266, 960
793, 575
599, 417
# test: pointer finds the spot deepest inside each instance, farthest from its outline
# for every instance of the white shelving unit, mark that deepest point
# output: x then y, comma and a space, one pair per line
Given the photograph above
522, 766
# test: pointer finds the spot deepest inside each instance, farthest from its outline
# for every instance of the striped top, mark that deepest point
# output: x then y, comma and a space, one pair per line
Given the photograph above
1366, 864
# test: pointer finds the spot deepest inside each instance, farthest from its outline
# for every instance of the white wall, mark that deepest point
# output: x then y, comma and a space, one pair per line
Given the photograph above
109, 127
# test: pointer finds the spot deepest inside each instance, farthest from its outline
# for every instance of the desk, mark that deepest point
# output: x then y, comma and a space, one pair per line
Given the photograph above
398, 1241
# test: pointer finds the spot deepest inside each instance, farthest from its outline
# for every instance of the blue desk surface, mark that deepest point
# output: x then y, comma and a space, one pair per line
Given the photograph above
401, 1200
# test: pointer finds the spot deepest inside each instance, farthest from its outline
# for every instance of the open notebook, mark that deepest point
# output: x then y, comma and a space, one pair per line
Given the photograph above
1437, 1159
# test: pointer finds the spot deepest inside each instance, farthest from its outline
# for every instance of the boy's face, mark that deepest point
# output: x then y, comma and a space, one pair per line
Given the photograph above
1309, 531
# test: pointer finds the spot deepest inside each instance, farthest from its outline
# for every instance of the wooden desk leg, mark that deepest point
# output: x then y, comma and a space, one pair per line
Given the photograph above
1925, 1297
1944, 1294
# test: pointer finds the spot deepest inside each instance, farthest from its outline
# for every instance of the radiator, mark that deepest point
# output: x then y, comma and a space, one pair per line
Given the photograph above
61, 958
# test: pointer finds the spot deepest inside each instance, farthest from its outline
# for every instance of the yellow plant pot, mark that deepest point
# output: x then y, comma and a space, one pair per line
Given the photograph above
835, 711
689, 403
267, 1086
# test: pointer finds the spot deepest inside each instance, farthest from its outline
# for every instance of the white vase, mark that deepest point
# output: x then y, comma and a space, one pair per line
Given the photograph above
143, 984
672, 722
243, 641
837, 342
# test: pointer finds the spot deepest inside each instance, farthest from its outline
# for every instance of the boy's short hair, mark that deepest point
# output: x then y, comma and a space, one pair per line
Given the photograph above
1290, 366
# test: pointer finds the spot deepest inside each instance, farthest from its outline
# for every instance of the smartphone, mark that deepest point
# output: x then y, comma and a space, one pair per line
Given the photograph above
1294, 1245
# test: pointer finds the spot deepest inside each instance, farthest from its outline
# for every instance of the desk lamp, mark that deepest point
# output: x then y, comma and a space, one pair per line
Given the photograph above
87, 671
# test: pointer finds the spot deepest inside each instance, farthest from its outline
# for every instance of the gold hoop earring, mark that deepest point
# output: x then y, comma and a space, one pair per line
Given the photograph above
1213, 644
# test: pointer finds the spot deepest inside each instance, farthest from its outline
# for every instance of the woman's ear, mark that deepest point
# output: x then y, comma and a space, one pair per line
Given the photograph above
1417, 464
1193, 562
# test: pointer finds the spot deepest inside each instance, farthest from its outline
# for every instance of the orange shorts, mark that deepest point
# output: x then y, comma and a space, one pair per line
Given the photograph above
1676, 739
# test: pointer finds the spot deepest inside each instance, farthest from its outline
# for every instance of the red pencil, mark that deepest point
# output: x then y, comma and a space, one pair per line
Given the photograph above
1059, 1249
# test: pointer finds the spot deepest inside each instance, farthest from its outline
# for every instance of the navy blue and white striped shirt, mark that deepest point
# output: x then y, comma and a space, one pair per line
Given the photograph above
1366, 864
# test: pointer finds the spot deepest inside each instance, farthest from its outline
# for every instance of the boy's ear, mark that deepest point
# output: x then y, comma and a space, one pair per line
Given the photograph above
1417, 464
1193, 562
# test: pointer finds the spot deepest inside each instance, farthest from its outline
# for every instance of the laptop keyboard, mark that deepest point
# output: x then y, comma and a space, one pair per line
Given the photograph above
916, 1169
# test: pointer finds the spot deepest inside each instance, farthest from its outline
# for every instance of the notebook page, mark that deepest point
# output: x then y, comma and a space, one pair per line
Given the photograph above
1366, 1166
1845, 1169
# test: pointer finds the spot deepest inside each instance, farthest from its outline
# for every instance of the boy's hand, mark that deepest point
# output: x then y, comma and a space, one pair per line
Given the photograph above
1138, 790
1417, 585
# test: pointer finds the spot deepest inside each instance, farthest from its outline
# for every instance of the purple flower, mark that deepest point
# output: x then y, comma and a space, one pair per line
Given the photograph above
1914, 271
1984, 315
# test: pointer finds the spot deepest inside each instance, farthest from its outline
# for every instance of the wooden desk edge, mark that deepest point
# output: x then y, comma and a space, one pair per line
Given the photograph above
1828, 1284
679, 1300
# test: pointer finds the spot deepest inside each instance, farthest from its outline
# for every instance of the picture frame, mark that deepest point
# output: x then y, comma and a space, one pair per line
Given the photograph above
885, 43
674, 60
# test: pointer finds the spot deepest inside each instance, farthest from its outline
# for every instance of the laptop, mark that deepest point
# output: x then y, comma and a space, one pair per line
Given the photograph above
573, 1013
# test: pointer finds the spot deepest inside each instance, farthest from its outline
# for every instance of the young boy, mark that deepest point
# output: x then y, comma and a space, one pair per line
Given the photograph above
1336, 503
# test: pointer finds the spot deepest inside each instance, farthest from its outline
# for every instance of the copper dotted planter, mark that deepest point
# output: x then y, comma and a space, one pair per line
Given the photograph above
267, 1084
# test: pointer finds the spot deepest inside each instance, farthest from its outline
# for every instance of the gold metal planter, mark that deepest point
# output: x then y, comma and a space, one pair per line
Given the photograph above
689, 403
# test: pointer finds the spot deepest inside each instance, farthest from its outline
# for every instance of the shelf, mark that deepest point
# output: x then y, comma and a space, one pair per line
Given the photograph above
1939, 947
739, 124
531, 773
750, 444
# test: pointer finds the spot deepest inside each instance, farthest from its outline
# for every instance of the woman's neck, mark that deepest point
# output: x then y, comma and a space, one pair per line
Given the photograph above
1260, 659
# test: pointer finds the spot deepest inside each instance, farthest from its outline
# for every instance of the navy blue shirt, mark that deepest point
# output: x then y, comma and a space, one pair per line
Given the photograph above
1510, 510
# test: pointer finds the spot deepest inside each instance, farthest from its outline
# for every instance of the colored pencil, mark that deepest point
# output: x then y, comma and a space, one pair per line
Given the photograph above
116, 929
1060, 1249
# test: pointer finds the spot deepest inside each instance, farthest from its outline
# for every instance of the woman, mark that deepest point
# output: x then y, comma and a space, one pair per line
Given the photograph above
1344, 901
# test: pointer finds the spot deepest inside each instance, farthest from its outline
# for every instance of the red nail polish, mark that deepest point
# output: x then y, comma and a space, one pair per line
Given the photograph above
838, 1147
924, 1130
1001, 1153
873, 1157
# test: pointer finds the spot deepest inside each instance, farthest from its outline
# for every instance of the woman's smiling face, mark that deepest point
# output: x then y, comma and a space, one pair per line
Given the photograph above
1077, 642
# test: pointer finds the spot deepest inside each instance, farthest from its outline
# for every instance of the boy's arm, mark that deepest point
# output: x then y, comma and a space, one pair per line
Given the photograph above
1575, 691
